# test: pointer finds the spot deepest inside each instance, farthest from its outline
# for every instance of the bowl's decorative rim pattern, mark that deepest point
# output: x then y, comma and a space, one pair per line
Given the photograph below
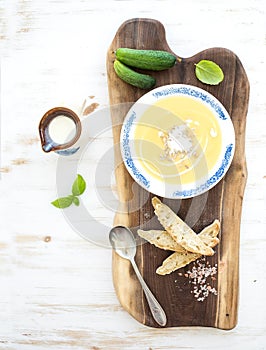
163, 91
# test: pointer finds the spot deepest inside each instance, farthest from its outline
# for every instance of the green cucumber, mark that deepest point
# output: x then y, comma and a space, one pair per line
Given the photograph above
146, 59
131, 77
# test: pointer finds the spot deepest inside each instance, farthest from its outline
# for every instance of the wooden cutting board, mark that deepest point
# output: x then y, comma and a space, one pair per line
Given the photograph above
223, 202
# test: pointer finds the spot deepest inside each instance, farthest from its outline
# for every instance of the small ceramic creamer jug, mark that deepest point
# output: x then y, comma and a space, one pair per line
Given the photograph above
60, 129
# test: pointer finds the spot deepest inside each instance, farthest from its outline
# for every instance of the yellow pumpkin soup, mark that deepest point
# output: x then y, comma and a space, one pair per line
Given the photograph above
177, 140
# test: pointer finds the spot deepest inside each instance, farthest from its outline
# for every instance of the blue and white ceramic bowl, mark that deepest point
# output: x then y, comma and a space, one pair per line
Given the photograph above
177, 141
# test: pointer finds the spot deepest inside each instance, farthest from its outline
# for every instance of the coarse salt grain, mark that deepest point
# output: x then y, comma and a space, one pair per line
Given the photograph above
198, 275
147, 216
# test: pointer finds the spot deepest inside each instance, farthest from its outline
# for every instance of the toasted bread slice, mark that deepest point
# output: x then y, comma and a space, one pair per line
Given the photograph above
179, 230
175, 261
180, 259
163, 240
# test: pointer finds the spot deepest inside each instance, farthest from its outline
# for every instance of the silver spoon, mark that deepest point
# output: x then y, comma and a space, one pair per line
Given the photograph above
123, 242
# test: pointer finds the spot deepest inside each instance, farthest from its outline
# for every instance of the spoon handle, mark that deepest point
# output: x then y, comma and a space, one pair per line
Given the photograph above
156, 309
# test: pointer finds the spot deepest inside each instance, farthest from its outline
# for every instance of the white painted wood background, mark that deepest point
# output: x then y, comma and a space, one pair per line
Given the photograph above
56, 289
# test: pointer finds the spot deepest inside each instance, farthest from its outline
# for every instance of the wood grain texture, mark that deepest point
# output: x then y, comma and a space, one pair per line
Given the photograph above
223, 202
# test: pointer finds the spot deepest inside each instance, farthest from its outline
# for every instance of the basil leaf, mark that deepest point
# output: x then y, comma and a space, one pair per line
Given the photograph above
209, 72
63, 202
78, 186
76, 201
